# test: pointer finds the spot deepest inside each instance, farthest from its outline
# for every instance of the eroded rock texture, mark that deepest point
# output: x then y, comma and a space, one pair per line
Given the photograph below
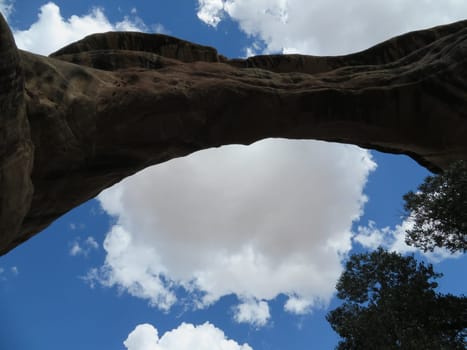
16, 148
111, 104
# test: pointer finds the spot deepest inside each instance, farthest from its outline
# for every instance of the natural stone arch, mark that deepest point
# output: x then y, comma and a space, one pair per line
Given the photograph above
101, 109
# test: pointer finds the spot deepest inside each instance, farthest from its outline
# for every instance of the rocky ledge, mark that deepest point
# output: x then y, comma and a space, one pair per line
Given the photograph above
112, 104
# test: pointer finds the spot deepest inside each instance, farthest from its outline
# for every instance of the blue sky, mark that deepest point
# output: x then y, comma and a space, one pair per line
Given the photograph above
239, 246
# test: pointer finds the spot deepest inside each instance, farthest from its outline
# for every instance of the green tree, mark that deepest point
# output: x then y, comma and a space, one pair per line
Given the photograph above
439, 210
390, 303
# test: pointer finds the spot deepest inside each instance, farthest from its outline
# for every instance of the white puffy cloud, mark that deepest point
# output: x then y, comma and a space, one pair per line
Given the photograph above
59, 31
143, 337
185, 337
272, 218
253, 312
133, 265
210, 11
328, 27
393, 239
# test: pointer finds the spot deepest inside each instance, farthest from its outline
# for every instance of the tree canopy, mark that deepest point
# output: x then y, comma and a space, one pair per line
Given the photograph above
439, 211
390, 302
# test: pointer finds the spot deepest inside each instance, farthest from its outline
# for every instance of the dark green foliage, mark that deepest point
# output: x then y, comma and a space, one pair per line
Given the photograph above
439, 210
390, 303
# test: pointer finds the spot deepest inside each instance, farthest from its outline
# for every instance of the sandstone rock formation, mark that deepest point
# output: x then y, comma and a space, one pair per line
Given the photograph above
111, 104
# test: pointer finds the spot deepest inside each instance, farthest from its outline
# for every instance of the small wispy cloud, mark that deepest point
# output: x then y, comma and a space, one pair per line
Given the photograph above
6, 8
5, 273
298, 306
79, 247
159, 29
253, 312
91, 278
91, 242
393, 239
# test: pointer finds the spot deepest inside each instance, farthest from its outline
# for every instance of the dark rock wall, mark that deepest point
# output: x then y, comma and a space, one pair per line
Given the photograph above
16, 148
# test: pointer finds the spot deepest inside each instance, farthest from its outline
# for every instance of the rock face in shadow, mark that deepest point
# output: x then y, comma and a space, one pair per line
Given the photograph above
16, 148
105, 107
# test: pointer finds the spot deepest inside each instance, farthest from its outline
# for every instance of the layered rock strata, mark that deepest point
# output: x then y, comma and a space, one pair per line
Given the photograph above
112, 104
